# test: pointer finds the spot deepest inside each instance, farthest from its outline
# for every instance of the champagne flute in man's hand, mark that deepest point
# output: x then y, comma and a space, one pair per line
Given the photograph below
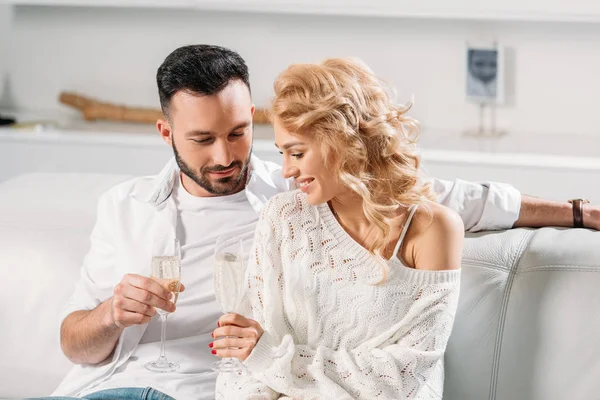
166, 270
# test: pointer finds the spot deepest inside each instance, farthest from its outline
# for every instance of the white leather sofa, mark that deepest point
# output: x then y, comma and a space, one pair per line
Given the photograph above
528, 324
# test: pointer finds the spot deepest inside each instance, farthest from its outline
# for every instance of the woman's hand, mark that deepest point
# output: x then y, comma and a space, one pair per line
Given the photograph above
238, 336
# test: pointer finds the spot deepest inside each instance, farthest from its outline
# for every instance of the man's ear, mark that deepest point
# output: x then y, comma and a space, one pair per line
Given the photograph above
164, 128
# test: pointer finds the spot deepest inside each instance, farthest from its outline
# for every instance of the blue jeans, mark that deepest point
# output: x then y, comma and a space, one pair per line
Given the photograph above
122, 394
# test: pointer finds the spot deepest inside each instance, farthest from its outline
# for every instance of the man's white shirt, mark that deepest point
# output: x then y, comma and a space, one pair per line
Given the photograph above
201, 220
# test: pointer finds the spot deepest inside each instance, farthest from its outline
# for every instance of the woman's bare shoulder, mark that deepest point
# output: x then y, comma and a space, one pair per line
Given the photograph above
437, 236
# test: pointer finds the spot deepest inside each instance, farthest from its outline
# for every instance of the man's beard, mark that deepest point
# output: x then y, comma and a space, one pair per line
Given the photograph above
225, 186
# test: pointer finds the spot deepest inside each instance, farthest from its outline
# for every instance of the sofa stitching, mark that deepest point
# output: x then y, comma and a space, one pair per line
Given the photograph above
561, 268
504, 306
524, 270
483, 264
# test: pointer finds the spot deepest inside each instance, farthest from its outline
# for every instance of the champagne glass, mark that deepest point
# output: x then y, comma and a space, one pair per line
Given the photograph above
229, 272
166, 270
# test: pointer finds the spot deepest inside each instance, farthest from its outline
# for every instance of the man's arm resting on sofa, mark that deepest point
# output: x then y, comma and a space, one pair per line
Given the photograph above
90, 336
498, 206
537, 213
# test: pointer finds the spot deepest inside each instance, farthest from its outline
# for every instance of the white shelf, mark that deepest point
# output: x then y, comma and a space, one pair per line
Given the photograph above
187, 4
508, 10
118, 135
517, 161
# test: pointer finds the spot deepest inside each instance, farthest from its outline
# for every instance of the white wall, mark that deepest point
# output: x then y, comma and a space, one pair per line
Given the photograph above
113, 54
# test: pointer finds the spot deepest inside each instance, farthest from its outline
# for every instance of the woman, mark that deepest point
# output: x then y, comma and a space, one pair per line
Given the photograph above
354, 277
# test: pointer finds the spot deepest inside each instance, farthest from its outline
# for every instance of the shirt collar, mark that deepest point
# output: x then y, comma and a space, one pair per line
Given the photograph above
264, 181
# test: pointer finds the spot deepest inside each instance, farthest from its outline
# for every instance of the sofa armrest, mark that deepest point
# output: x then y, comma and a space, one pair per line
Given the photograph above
528, 318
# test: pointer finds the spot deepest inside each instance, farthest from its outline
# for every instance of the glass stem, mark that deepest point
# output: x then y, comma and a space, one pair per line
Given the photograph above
163, 334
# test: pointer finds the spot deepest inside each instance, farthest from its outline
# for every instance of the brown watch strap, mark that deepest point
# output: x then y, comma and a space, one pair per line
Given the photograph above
578, 211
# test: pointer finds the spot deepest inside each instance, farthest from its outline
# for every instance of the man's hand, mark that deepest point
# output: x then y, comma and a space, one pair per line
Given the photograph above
238, 334
135, 300
591, 216
537, 213
90, 336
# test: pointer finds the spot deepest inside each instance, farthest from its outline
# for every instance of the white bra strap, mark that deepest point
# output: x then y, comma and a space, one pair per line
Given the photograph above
413, 208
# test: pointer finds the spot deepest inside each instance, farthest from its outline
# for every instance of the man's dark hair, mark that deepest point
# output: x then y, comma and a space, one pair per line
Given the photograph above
200, 69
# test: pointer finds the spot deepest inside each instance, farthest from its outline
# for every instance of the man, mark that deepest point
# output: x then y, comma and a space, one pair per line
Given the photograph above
212, 188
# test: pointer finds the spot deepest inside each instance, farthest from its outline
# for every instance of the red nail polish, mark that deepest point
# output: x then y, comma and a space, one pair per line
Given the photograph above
218, 324
212, 334
210, 345
214, 352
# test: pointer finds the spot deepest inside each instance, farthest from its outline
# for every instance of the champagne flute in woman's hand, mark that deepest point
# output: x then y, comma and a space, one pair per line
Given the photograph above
229, 271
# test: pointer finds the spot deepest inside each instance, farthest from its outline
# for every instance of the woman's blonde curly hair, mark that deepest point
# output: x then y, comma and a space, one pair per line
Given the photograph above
364, 136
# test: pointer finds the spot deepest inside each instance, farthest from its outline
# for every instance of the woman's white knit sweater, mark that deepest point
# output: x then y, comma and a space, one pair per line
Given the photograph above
331, 331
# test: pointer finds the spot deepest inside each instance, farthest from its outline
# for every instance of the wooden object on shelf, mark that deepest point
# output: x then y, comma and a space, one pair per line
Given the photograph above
95, 110
260, 117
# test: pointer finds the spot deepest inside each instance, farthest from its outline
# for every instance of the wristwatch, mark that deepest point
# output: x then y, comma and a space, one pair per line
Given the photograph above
578, 211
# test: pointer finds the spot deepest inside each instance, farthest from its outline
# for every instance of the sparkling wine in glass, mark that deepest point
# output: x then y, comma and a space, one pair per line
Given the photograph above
229, 272
166, 270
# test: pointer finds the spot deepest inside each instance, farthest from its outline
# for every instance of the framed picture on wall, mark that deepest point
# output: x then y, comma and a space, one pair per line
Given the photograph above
485, 74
